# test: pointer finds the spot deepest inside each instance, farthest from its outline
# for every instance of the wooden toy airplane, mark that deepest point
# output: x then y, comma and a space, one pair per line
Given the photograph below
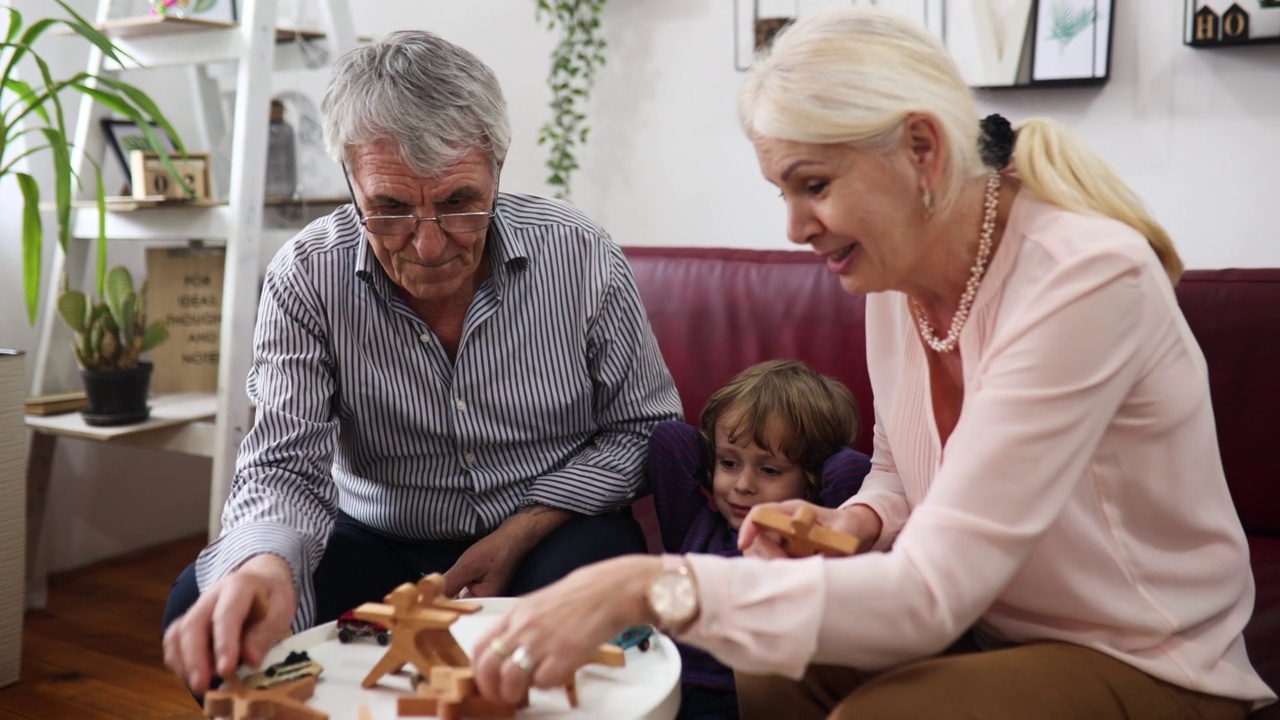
804, 537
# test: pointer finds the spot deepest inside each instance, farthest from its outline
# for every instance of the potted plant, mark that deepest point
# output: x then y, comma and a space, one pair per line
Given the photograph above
111, 336
32, 111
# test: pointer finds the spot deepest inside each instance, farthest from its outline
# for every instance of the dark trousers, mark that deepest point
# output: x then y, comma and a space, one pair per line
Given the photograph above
361, 564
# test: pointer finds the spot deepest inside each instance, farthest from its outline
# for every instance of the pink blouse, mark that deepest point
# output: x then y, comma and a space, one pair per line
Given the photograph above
1081, 497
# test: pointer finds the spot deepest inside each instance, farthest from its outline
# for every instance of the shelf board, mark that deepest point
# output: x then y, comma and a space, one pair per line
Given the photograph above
125, 203
167, 410
153, 25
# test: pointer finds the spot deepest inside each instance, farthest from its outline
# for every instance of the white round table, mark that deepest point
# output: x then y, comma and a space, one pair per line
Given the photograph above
647, 688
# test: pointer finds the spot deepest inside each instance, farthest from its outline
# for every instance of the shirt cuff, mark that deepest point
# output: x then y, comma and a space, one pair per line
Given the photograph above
886, 505
237, 546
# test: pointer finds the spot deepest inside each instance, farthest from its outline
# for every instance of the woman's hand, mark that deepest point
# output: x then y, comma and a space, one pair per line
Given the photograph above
559, 627
859, 521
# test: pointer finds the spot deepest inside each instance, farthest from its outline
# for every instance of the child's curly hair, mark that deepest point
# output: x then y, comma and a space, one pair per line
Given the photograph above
814, 414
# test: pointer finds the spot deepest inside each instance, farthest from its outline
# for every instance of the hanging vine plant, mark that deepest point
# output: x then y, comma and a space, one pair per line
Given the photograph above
574, 62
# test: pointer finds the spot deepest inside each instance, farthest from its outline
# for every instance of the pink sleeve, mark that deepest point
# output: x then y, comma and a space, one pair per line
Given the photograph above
758, 616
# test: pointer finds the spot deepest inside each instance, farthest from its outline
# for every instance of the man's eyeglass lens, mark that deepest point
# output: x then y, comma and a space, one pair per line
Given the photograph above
405, 224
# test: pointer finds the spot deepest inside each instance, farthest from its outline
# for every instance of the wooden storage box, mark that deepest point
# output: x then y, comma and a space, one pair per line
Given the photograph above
149, 178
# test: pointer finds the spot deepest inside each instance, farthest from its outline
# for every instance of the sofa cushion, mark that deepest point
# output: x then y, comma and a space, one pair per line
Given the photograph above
717, 311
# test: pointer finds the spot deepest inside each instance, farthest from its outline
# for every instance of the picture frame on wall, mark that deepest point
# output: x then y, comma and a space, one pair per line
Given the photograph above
1211, 23
1071, 42
124, 136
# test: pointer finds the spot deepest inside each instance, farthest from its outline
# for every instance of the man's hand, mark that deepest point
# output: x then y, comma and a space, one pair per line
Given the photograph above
484, 569
221, 629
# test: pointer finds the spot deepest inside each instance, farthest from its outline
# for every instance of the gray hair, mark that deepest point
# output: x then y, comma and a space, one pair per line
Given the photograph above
852, 76
434, 100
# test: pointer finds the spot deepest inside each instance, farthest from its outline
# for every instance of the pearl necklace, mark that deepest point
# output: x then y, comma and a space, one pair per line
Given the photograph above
948, 343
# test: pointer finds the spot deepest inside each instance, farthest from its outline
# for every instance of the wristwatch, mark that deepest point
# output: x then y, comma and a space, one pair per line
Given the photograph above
673, 595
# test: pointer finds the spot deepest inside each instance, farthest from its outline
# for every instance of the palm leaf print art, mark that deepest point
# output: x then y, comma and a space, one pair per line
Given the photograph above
1068, 22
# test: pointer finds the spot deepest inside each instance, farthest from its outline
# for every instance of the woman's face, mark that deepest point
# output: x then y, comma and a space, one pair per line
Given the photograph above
862, 212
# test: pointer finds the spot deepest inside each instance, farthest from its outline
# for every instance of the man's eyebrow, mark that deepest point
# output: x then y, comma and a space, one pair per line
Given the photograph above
464, 193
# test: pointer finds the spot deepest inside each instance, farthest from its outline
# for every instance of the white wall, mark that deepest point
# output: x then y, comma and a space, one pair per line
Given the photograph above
1194, 131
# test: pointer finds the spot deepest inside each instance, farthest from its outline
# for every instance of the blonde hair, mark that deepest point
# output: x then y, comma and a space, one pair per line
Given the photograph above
814, 415
852, 76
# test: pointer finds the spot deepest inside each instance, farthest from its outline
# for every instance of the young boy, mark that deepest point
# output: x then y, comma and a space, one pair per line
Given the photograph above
777, 431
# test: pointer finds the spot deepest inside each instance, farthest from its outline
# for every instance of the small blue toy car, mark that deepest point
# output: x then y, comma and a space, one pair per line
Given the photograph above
634, 636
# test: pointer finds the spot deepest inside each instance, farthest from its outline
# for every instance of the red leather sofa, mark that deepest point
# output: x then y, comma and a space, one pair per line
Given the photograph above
717, 311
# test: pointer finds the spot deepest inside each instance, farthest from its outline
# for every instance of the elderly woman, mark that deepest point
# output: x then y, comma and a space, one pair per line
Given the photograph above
1046, 527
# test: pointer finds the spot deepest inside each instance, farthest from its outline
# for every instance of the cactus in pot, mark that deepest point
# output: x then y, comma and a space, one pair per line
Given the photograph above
111, 335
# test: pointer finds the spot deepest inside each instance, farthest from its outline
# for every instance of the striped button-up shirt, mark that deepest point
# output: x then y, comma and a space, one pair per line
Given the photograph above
556, 385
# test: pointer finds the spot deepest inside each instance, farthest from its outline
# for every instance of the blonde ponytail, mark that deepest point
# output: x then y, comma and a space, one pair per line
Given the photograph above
1051, 163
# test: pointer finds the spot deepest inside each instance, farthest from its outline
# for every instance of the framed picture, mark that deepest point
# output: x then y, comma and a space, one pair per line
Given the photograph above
1071, 43
124, 136
756, 22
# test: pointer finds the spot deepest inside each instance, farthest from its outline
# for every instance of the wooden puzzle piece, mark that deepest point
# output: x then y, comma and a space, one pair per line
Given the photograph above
282, 702
804, 536
451, 694
420, 634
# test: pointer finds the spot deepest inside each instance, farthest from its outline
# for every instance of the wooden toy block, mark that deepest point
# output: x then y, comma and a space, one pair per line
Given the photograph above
804, 537
420, 633
282, 702
431, 594
609, 655
451, 695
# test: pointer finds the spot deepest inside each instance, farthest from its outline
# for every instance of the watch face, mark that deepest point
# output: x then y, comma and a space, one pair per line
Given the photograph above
673, 597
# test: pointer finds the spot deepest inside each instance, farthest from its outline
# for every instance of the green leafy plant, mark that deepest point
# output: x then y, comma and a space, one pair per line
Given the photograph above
1068, 22
35, 110
111, 333
574, 62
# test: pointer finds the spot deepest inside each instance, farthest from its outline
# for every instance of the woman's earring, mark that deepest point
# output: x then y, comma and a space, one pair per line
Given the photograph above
926, 196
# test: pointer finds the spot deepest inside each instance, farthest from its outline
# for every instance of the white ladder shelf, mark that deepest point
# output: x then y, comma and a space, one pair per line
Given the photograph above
210, 425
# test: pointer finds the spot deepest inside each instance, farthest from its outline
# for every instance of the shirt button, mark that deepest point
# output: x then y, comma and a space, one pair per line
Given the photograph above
425, 337
460, 405
471, 458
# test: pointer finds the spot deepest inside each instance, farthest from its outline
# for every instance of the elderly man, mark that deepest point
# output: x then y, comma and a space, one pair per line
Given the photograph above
447, 378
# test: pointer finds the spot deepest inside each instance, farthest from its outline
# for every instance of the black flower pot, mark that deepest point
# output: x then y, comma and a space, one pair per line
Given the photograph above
117, 397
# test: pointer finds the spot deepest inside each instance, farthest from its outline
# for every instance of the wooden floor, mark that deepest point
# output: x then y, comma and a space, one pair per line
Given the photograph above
95, 652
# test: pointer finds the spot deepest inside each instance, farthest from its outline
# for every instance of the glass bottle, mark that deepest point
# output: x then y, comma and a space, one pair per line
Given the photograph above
282, 161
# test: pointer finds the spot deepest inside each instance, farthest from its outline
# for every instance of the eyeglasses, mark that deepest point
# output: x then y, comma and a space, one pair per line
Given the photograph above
465, 222
457, 223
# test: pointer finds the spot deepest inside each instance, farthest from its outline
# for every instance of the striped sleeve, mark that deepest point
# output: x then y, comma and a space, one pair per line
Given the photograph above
283, 499
632, 391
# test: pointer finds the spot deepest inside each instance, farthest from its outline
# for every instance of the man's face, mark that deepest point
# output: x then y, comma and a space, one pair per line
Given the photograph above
430, 266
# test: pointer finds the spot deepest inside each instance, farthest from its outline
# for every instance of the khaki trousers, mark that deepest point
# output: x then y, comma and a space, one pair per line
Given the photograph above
1040, 681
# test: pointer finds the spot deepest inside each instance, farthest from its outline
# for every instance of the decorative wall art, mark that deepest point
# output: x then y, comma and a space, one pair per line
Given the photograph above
1071, 42
1210, 23
996, 43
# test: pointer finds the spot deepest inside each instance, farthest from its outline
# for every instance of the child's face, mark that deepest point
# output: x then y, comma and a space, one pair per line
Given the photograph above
746, 474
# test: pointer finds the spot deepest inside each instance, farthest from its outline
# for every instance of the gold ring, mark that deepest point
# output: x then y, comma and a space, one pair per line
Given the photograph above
499, 647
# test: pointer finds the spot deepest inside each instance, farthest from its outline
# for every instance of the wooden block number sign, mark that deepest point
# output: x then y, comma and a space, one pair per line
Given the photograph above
149, 178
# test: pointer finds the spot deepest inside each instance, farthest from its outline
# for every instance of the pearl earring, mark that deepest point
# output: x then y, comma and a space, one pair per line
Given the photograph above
926, 196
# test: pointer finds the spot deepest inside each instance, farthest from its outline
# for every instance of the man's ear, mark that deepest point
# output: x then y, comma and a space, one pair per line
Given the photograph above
925, 146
